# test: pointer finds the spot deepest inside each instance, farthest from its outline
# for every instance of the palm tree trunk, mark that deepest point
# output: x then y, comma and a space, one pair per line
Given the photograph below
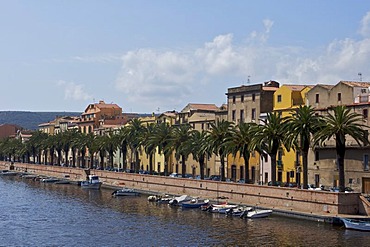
341, 149
183, 165
201, 167
222, 168
151, 164
137, 162
246, 165
273, 168
305, 169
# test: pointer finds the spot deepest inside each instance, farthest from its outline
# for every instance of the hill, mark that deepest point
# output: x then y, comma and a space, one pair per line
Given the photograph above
31, 120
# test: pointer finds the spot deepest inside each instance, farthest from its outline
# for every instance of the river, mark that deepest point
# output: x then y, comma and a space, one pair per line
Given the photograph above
41, 214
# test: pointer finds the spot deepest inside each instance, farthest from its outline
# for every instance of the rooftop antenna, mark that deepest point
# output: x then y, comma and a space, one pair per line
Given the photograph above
249, 79
360, 75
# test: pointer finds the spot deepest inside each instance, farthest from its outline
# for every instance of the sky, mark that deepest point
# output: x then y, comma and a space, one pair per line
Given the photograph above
159, 55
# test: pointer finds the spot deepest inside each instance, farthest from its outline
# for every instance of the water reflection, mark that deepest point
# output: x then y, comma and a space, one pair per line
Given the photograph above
35, 213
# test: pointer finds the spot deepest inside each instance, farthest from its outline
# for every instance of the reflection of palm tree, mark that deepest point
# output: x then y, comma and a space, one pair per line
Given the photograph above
339, 123
301, 125
269, 137
239, 142
220, 131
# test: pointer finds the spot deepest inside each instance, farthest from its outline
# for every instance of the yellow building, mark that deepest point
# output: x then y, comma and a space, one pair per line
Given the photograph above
286, 99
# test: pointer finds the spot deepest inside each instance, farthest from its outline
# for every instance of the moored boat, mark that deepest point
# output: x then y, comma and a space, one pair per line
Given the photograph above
125, 192
194, 203
257, 213
92, 183
356, 224
178, 200
49, 180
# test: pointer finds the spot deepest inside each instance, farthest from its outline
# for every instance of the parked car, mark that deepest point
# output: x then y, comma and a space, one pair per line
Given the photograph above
346, 189
214, 178
277, 183
313, 187
174, 175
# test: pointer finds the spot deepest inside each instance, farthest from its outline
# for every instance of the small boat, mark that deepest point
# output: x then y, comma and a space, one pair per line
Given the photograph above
92, 183
356, 224
256, 213
125, 192
178, 200
29, 176
219, 208
8, 173
49, 180
238, 211
63, 181
194, 203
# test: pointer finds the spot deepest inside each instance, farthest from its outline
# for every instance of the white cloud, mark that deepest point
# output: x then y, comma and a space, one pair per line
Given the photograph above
170, 78
74, 91
365, 25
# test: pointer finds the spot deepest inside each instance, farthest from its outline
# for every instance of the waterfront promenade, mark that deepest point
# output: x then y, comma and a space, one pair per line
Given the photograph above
310, 204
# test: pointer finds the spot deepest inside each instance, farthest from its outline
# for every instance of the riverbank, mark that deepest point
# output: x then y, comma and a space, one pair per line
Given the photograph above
292, 202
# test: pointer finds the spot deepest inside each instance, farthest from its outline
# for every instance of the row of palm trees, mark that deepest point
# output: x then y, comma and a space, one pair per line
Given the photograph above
300, 131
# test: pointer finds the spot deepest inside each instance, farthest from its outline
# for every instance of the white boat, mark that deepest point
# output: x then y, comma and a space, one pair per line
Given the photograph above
49, 180
238, 212
92, 183
8, 173
356, 224
220, 208
125, 192
176, 201
257, 213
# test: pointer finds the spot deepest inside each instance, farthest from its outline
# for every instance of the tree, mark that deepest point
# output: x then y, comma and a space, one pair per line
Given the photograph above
240, 142
35, 145
220, 131
269, 137
339, 123
135, 129
178, 142
149, 146
199, 148
160, 138
123, 139
302, 124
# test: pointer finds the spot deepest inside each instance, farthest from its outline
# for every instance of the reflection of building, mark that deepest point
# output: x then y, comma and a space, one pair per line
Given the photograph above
99, 114
247, 104
322, 162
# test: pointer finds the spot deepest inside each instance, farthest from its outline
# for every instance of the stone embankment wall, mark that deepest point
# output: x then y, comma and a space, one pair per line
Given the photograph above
285, 199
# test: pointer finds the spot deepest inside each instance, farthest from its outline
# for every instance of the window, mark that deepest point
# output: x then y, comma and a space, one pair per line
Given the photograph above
253, 97
242, 98
317, 98
202, 126
339, 96
241, 116
233, 115
363, 90
253, 114
317, 155
365, 113
233, 99
279, 98
366, 162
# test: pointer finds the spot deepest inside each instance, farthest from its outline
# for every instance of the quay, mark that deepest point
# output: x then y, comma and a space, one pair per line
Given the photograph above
321, 206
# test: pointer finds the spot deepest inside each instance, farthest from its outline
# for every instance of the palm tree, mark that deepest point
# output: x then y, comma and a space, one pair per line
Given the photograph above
302, 124
339, 123
149, 147
123, 139
220, 131
160, 138
35, 143
269, 137
135, 129
199, 148
239, 142
178, 142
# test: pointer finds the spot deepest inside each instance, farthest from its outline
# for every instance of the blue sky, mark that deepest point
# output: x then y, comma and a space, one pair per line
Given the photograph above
149, 56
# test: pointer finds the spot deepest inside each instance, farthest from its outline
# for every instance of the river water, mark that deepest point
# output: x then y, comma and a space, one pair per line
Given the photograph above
39, 214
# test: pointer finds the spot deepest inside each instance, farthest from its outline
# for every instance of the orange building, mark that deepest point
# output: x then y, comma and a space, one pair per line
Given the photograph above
99, 114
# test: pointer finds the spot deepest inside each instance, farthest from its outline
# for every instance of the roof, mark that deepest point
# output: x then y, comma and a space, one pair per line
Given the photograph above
356, 83
295, 87
206, 107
